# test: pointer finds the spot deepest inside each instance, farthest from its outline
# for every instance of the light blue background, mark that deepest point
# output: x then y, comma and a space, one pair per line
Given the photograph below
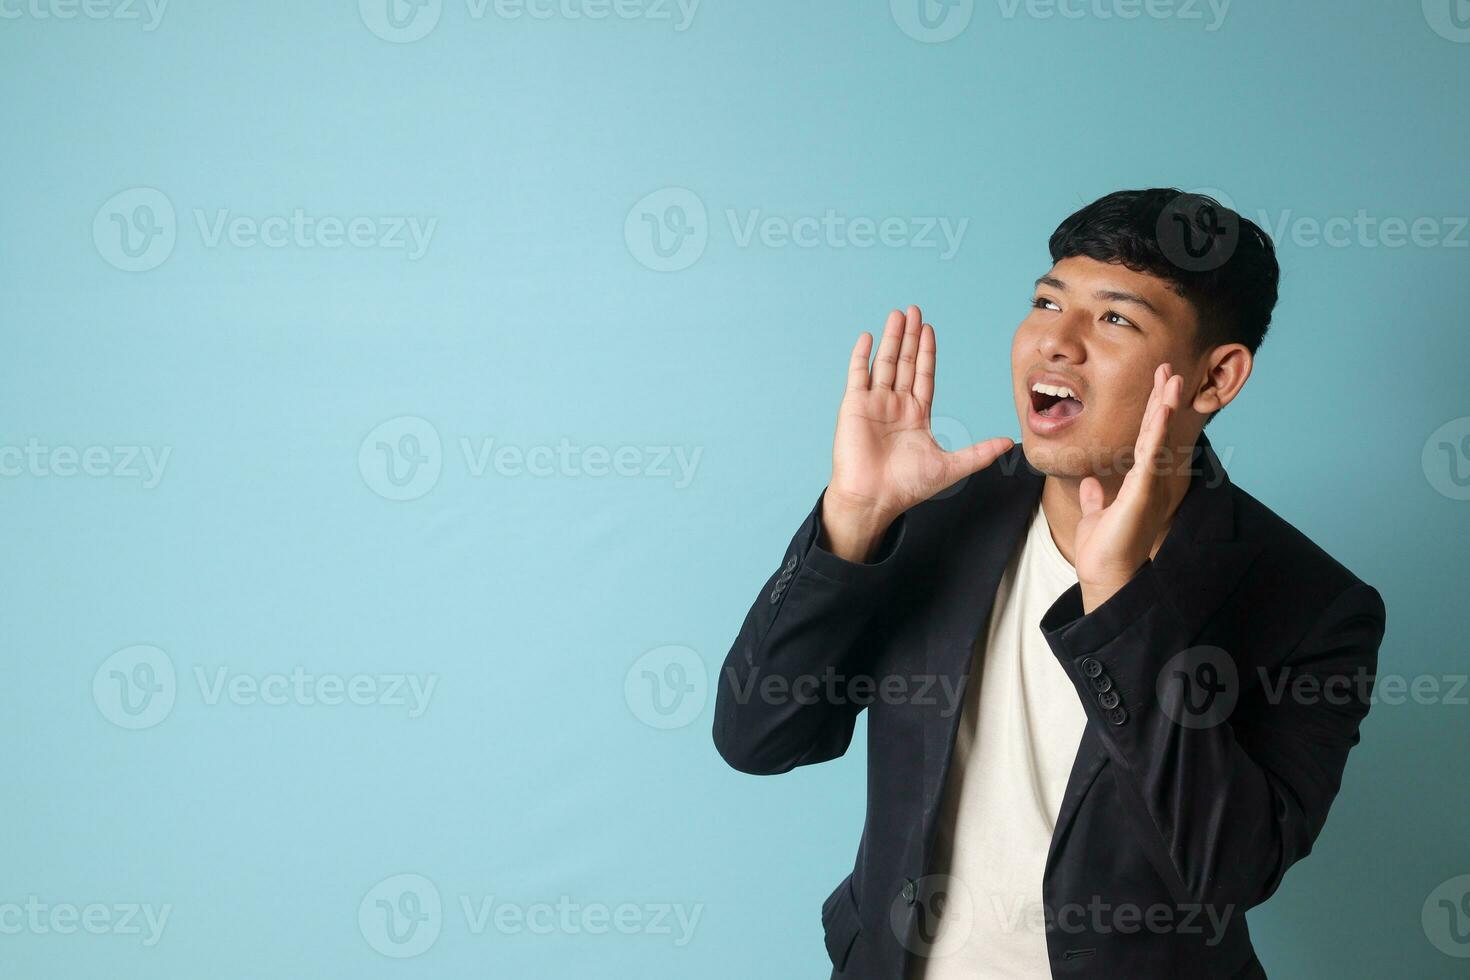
533, 318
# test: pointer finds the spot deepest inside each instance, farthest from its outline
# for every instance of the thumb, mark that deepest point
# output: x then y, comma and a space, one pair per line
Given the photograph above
1090, 495
963, 462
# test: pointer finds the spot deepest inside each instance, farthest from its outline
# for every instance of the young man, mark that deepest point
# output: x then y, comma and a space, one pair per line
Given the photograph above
1110, 695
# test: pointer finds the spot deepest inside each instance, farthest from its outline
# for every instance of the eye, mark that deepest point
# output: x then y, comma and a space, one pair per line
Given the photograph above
1042, 303
1121, 320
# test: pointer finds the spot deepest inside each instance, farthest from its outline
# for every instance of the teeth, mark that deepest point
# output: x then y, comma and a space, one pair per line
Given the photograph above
1057, 391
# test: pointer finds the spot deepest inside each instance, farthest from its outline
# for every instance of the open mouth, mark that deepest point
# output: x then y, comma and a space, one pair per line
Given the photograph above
1055, 401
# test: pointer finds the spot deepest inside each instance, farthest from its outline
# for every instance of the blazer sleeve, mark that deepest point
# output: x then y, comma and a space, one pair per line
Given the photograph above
1226, 803
782, 698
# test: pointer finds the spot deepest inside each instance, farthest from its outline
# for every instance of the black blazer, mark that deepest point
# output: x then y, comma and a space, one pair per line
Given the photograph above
1223, 686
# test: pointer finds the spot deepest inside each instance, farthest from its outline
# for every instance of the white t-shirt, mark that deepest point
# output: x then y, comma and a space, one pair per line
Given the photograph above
1018, 735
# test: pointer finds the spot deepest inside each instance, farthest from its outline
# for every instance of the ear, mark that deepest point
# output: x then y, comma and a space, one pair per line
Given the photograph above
1226, 369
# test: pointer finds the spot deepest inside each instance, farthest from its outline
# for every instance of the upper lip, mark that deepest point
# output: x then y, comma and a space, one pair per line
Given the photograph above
1052, 378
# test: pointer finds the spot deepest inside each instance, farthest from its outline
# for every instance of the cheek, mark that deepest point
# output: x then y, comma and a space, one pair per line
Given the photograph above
1125, 405
1021, 343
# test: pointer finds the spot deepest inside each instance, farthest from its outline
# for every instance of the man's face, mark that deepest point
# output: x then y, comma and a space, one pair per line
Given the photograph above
1099, 330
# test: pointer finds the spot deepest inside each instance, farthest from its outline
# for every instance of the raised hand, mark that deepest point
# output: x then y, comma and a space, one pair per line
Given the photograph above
1114, 541
884, 458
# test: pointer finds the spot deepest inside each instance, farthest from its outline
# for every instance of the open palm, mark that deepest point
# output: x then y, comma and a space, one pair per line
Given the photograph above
884, 457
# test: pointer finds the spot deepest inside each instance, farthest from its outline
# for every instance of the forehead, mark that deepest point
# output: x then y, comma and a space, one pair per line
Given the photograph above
1091, 275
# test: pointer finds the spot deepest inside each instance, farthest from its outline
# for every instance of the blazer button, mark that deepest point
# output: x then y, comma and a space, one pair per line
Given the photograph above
1101, 683
1091, 667
910, 892
1117, 716
1108, 699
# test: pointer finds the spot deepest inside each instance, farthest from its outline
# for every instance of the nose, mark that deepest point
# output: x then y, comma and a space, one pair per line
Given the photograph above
1061, 339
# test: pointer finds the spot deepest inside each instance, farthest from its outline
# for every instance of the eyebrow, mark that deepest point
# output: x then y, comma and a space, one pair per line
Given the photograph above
1112, 295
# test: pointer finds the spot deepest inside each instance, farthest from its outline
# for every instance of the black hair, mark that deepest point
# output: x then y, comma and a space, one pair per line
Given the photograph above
1219, 261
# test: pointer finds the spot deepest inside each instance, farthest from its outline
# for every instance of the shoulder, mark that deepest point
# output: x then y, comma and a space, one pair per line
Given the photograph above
1294, 567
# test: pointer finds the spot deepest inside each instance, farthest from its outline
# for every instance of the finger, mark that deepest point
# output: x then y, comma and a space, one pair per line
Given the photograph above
1175, 397
1151, 436
908, 352
1160, 376
1155, 398
1165, 401
857, 367
962, 462
1090, 495
924, 367
885, 365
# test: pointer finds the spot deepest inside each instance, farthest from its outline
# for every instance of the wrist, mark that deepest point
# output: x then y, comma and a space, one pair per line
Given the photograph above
1097, 590
851, 530
1095, 594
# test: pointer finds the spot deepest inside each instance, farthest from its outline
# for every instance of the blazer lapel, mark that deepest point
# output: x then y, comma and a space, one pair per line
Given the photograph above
1199, 564
981, 542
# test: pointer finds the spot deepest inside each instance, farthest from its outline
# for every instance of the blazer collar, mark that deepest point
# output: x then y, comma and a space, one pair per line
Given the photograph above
1203, 555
